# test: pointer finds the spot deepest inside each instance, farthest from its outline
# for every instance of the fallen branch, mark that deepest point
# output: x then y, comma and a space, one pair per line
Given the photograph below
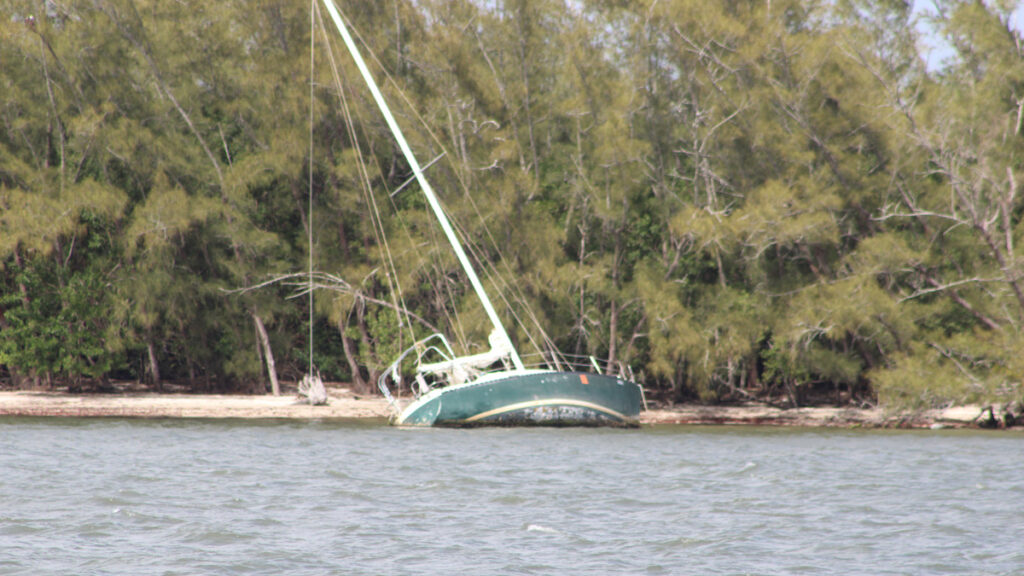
304, 282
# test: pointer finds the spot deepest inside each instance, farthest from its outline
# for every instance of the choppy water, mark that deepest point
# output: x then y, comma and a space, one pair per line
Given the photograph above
204, 497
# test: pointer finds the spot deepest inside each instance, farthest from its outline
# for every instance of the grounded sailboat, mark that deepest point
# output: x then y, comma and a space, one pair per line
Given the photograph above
460, 391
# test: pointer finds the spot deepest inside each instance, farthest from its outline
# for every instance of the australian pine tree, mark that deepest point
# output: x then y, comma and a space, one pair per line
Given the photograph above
743, 199
951, 213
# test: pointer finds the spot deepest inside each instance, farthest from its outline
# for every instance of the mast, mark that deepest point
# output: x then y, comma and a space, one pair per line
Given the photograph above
424, 184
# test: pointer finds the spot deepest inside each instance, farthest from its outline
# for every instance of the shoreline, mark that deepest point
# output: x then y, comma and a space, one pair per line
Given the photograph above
344, 405
341, 405
956, 417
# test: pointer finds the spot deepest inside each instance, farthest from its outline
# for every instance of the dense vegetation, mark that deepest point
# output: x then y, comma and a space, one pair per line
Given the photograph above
743, 198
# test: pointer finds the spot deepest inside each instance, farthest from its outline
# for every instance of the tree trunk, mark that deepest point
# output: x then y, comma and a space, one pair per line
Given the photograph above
613, 335
1005, 266
368, 344
16, 378
793, 392
525, 30
154, 368
268, 354
350, 356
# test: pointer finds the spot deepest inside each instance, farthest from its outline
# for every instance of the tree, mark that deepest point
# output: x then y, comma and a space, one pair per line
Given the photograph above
958, 189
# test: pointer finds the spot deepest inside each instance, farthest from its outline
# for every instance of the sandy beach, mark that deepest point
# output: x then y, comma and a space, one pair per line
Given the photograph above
343, 404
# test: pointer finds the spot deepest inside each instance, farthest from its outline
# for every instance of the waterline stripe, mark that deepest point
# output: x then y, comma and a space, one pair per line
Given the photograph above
548, 402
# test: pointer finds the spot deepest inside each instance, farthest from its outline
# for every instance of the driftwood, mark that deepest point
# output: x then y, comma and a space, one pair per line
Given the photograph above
312, 388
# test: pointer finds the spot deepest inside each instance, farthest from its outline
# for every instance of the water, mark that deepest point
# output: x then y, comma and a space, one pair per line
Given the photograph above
209, 497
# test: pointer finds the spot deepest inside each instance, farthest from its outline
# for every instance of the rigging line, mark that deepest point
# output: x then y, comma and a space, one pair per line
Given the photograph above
492, 272
520, 298
413, 179
431, 264
434, 273
414, 111
428, 192
391, 273
451, 314
439, 278
428, 263
309, 211
457, 324
499, 280
515, 290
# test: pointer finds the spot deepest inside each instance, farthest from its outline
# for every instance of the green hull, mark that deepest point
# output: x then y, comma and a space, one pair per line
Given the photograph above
530, 398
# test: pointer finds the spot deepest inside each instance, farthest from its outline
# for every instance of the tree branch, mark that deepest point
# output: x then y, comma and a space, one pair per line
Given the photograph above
303, 283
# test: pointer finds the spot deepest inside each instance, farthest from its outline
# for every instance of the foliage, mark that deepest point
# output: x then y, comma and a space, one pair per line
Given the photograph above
737, 199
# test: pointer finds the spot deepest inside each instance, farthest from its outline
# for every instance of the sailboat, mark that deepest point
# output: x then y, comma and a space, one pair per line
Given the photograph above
465, 391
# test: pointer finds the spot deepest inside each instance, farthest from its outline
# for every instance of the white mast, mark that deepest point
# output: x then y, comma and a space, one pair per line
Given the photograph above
424, 184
